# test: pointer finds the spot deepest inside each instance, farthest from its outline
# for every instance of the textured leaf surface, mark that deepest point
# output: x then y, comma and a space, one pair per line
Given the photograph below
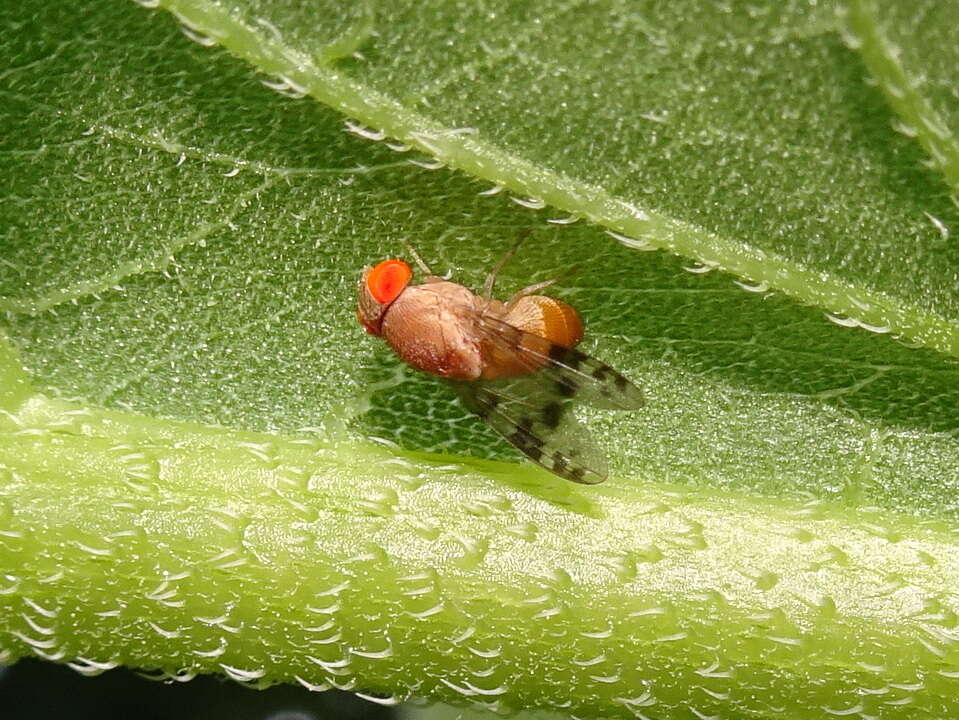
757, 147
181, 245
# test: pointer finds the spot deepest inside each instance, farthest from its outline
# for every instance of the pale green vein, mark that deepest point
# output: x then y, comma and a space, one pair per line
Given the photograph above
520, 36
159, 262
113, 390
348, 43
863, 34
162, 260
851, 389
14, 70
235, 163
752, 344
465, 149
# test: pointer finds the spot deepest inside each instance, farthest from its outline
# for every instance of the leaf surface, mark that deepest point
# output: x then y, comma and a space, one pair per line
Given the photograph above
180, 253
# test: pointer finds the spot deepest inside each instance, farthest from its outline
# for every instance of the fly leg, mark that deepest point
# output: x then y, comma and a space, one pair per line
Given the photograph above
533, 289
529, 290
491, 278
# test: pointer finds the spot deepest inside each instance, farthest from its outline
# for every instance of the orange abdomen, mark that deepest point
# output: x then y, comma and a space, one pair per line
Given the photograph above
543, 317
549, 318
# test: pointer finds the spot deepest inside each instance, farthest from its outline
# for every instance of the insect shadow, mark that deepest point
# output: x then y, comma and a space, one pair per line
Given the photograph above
512, 363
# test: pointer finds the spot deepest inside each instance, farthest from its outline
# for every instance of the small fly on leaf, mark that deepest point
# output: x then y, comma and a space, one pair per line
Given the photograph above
514, 364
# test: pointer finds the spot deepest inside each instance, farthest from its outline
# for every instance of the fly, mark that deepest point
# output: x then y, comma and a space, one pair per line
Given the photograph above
512, 363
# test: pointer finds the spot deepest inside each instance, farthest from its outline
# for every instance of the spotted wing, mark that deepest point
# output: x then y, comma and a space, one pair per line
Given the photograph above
531, 415
532, 409
573, 373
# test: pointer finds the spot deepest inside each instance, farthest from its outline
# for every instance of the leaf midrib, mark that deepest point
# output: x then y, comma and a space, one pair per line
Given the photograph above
463, 149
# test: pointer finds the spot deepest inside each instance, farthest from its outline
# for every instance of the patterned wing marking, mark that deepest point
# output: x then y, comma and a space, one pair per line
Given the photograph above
574, 373
529, 413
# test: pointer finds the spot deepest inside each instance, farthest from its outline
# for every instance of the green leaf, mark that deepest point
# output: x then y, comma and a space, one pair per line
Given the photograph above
723, 148
188, 479
915, 76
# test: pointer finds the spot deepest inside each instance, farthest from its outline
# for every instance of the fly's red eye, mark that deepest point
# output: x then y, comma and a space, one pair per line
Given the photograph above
387, 280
